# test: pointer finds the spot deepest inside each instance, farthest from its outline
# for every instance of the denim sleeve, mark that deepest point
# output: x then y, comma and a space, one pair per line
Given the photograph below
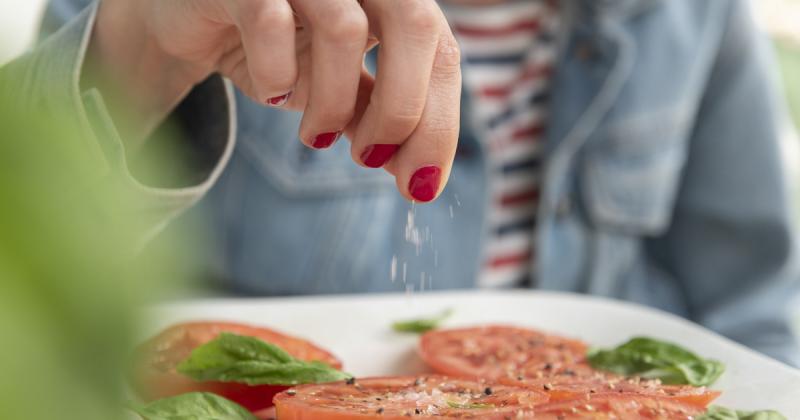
47, 80
732, 241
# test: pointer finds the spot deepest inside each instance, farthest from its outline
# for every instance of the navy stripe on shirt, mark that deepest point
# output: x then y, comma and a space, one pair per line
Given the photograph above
525, 224
496, 59
540, 99
527, 164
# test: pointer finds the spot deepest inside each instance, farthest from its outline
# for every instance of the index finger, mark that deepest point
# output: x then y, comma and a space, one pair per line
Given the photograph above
409, 32
422, 165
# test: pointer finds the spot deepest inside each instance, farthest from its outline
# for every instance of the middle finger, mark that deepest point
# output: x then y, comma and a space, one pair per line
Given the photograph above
409, 33
339, 32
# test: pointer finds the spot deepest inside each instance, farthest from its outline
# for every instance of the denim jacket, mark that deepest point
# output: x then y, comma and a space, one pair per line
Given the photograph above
662, 183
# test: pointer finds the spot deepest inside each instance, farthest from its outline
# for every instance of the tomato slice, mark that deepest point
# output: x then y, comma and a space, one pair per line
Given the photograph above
565, 388
266, 414
402, 397
155, 377
604, 407
499, 351
579, 380
524, 357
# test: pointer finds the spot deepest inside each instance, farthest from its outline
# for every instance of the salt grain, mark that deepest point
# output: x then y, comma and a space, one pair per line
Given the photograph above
394, 268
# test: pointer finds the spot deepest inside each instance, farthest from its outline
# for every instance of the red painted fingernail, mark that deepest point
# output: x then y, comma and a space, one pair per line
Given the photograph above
377, 155
424, 183
325, 140
279, 100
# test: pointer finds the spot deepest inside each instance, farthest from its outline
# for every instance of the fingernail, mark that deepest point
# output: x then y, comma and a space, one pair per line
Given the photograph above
325, 140
279, 100
377, 155
424, 183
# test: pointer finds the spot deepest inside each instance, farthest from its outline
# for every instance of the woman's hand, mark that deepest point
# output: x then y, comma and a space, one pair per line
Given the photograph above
303, 55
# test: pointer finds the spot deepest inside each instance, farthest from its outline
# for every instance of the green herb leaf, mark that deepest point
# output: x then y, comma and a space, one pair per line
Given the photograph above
454, 404
194, 406
653, 359
722, 413
419, 326
235, 358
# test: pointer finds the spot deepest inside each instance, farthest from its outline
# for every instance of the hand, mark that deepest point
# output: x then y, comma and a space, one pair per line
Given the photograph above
304, 55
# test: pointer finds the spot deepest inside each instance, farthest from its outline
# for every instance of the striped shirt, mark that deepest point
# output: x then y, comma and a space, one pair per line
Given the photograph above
509, 54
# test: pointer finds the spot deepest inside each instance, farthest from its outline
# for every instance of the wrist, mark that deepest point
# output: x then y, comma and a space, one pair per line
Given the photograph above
140, 82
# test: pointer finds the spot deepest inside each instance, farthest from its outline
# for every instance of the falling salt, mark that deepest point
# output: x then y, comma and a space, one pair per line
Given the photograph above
451, 212
418, 237
458, 202
412, 232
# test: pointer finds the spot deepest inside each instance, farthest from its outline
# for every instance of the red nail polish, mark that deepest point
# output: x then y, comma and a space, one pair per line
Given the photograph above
279, 100
325, 140
424, 183
377, 155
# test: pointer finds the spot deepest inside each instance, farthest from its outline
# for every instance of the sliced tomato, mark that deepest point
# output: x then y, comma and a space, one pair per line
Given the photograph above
402, 397
628, 407
499, 351
565, 388
155, 376
266, 414
524, 357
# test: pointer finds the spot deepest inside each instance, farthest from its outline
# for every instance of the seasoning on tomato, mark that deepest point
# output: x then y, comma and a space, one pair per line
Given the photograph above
609, 406
499, 351
565, 388
402, 397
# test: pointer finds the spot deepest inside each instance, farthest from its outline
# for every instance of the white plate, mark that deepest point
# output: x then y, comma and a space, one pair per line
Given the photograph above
357, 329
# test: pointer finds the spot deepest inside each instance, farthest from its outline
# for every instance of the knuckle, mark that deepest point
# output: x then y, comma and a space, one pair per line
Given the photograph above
400, 124
448, 54
345, 24
265, 15
419, 16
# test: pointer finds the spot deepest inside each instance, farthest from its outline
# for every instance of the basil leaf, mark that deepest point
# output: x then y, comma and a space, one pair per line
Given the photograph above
248, 360
194, 406
419, 326
454, 404
722, 413
653, 359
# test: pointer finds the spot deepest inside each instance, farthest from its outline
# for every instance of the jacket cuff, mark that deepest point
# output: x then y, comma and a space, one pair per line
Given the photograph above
47, 80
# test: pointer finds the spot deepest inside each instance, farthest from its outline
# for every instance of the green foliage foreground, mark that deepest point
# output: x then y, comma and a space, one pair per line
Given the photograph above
70, 276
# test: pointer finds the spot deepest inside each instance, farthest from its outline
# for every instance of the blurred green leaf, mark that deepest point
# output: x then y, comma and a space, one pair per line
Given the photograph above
722, 413
194, 406
789, 59
71, 271
422, 325
236, 358
654, 359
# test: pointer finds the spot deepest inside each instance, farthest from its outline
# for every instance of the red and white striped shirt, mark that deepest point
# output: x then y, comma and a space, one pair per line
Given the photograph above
509, 53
